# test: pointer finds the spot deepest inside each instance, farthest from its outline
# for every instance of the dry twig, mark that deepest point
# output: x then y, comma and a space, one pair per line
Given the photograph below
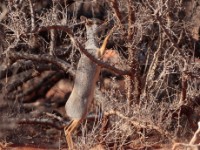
194, 142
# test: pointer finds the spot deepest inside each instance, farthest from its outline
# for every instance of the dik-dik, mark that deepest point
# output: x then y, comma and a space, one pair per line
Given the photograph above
85, 81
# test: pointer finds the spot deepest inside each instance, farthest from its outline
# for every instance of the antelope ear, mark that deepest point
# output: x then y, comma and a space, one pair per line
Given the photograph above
83, 18
86, 20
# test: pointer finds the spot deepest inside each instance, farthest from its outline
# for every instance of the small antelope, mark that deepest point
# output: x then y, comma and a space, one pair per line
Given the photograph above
85, 81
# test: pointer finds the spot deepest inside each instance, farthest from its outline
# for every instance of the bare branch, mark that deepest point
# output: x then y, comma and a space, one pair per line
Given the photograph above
16, 68
115, 8
193, 144
12, 86
131, 56
82, 49
138, 123
196, 136
42, 87
43, 121
32, 15
53, 31
42, 58
159, 19
21, 66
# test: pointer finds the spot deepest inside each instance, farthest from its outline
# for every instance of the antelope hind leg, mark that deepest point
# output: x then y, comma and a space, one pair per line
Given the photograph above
69, 130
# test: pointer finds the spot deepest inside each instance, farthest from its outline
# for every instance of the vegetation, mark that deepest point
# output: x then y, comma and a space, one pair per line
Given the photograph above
147, 96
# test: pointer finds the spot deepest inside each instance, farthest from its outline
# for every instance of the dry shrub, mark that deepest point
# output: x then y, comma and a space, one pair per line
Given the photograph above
156, 101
